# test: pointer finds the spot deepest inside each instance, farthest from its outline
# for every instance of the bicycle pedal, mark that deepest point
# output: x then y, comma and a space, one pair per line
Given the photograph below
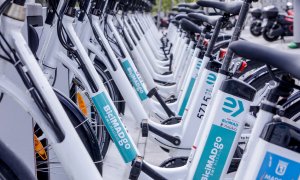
136, 168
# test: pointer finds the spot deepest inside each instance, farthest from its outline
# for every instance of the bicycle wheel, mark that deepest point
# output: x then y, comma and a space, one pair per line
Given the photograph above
110, 86
84, 130
291, 110
78, 95
11, 167
259, 79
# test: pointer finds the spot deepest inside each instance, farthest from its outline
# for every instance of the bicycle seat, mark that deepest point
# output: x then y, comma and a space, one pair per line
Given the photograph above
199, 11
189, 5
186, 10
190, 26
175, 9
231, 8
185, 16
212, 20
175, 22
172, 14
181, 16
221, 37
284, 61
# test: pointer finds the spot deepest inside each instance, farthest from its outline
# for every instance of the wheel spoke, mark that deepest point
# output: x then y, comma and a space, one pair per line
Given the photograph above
86, 120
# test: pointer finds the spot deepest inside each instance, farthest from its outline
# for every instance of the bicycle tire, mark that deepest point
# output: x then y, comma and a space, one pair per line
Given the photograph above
292, 109
114, 94
103, 135
259, 82
11, 167
84, 131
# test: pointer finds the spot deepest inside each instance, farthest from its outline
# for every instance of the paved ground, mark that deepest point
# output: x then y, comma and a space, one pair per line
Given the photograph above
114, 167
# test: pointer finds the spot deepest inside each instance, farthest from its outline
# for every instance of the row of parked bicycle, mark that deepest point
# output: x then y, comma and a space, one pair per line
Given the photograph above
221, 107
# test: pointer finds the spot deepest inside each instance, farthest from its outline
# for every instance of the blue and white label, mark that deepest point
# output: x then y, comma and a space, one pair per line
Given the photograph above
214, 156
233, 106
188, 92
211, 78
186, 97
222, 138
275, 167
135, 80
198, 65
115, 127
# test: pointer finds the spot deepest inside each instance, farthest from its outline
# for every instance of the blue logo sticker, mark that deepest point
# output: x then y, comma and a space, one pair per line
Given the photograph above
198, 65
211, 78
215, 153
275, 167
232, 106
134, 80
115, 127
186, 96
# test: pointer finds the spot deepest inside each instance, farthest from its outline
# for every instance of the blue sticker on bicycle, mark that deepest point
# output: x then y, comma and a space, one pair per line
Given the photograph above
186, 97
279, 168
115, 127
215, 153
135, 80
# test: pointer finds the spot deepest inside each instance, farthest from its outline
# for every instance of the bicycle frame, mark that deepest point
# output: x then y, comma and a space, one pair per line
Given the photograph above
65, 143
186, 97
189, 55
144, 66
183, 129
109, 113
125, 87
181, 101
73, 67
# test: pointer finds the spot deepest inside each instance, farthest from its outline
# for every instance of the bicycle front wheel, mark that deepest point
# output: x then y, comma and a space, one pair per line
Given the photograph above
11, 167
44, 163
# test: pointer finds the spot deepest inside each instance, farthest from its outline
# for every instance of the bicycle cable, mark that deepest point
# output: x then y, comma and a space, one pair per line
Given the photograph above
35, 94
63, 36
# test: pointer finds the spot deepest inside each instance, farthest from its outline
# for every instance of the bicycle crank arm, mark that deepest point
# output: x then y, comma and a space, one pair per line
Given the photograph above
138, 166
147, 127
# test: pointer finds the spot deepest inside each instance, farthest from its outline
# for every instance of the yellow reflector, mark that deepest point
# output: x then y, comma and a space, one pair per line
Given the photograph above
39, 148
81, 104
